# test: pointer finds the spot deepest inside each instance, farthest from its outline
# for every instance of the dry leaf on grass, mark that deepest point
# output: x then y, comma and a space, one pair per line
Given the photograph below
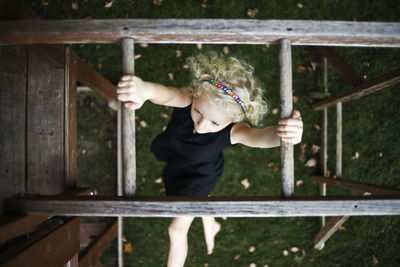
237, 256
315, 149
295, 99
143, 124
204, 4
157, 2
158, 181
374, 260
178, 53
144, 45
275, 111
199, 46
128, 248
356, 155
314, 65
285, 253
252, 264
301, 69
171, 76
165, 115
299, 5
109, 4
299, 182
317, 127
124, 238
252, 249
75, 6
294, 249
252, 12
45, 3
311, 163
225, 50
245, 183
273, 166
138, 56
186, 66
342, 228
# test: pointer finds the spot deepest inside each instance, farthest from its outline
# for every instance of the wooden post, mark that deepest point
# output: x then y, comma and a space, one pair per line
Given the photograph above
324, 152
285, 66
339, 140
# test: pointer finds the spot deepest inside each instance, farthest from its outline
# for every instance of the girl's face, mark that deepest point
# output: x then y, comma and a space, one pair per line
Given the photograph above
208, 118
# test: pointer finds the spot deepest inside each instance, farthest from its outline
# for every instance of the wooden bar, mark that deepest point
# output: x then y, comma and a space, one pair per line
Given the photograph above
342, 66
90, 255
338, 140
73, 262
286, 94
70, 102
13, 78
128, 124
373, 189
14, 225
45, 127
328, 230
218, 31
365, 88
43, 247
208, 206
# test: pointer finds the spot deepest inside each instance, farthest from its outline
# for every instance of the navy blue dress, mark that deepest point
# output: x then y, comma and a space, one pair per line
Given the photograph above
194, 161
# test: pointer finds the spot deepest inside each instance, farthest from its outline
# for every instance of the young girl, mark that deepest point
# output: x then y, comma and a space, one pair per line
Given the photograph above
208, 117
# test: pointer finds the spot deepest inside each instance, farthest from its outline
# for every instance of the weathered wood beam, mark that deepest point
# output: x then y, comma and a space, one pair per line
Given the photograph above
14, 225
90, 255
286, 95
328, 230
373, 189
365, 88
53, 245
343, 67
225, 31
208, 206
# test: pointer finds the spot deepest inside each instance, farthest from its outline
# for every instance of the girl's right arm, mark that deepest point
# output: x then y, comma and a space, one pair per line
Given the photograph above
134, 92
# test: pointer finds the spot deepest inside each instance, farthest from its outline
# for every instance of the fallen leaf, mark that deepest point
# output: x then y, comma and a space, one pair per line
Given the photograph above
204, 4
294, 249
123, 238
226, 50
285, 253
311, 163
157, 2
158, 181
109, 4
342, 228
315, 148
252, 12
245, 183
128, 248
199, 46
178, 53
109, 144
171, 76
137, 56
314, 65
356, 155
275, 111
252, 249
162, 190
186, 66
224, 218
381, 154
299, 182
165, 115
366, 64
45, 3
206, 264
237, 257
99, 66
303, 252
374, 260
75, 6
252, 264
299, 5
143, 124
365, 76
144, 45
303, 147
301, 69
266, 265
317, 127
295, 99
302, 158
312, 260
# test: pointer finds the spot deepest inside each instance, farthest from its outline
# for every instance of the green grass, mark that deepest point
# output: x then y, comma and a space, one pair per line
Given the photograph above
370, 127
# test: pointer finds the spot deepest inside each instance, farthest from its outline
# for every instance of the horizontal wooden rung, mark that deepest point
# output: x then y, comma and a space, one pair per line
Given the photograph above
206, 206
217, 31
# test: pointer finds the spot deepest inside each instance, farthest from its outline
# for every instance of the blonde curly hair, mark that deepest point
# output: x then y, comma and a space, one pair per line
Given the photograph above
237, 76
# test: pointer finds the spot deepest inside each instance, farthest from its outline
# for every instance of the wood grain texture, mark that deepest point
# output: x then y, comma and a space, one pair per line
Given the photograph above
45, 128
13, 76
207, 206
286, 94
218, 31
363, 89
373, 189
53, 245
90, 255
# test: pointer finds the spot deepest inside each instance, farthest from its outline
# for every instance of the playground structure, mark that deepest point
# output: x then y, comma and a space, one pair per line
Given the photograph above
39, 117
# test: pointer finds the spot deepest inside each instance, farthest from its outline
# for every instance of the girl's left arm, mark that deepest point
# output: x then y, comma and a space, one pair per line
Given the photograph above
290, 130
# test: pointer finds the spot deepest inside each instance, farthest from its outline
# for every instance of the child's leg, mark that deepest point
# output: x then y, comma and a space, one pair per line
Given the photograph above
178, 247
211, 228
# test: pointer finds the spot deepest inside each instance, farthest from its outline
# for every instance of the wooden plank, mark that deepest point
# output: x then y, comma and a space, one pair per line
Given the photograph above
73, 262
324, 137
14, 225
339, 155
342, 66
286, 94
365, 88
45, 128
328, 230
88, 231
128, 125
90, 255
13, 72
373, 189
225, 31
70, 102
208, 206
53, 245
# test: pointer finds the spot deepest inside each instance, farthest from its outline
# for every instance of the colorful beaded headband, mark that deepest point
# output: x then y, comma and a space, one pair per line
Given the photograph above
226, 90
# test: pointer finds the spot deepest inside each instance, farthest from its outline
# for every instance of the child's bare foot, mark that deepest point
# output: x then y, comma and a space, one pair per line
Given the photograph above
210, 234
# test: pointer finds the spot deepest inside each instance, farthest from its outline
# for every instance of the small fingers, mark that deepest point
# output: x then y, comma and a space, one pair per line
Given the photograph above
288, 127
291, 121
